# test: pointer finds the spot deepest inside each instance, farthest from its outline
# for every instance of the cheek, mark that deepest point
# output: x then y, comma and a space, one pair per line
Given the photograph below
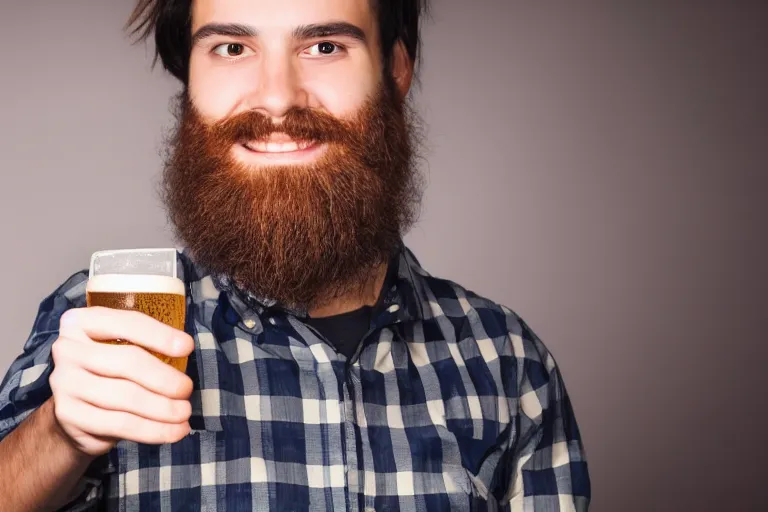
340, 93
215, 93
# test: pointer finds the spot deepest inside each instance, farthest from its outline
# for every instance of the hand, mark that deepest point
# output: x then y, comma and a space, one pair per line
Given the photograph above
105, 393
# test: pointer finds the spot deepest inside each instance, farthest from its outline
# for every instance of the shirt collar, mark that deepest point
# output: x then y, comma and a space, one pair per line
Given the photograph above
403, 295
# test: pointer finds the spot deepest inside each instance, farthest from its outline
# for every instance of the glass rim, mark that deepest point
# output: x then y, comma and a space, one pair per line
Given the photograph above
152, 250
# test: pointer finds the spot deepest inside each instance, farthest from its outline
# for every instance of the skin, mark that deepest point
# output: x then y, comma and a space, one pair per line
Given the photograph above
271, 70
103, 393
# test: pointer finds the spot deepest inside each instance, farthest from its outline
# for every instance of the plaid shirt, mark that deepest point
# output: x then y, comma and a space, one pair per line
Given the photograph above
450, 403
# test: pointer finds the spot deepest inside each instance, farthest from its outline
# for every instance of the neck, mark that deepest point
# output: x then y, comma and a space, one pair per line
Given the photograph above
368, 296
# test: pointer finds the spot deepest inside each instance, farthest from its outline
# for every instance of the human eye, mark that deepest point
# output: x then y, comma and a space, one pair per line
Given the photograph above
230, 50
324, 48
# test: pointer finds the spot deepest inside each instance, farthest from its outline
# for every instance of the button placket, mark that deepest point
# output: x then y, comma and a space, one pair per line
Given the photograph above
350, 463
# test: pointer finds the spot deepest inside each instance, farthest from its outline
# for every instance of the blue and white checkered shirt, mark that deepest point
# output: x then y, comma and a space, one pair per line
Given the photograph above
450, 403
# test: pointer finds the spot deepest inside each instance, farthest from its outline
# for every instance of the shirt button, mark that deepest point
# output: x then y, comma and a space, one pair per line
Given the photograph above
250, 323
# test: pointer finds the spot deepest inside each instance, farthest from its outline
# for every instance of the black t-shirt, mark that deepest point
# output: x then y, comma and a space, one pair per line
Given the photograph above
346, 331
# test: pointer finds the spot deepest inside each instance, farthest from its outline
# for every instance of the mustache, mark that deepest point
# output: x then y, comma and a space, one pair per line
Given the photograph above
299, 123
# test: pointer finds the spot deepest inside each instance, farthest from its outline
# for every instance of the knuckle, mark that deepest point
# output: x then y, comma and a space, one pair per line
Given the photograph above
55, 380
70, 318
57, 348
65, 383
61, 348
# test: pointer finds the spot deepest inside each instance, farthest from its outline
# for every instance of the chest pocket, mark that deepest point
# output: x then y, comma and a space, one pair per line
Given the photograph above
485, 460
481, 429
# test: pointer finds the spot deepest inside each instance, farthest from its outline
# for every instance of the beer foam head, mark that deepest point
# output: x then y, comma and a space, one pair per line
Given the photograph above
127, 283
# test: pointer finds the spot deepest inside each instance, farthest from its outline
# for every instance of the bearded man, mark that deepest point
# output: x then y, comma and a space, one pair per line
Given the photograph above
327, 370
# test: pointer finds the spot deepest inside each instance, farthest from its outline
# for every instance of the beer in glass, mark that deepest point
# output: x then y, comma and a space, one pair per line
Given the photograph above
143, 280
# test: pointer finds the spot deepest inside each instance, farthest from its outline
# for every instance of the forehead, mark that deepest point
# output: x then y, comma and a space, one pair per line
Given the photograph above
281, 14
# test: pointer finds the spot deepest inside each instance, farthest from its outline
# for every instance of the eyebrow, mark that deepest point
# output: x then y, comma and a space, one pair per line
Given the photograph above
329, 30
301, 32
223, 29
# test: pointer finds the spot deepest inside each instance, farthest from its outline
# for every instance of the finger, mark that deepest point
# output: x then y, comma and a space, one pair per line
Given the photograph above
127, 362
100, 323
118, 424
126, 396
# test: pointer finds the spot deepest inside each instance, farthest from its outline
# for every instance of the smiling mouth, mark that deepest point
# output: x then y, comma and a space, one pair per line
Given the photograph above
279, 148
270, 147
278, 143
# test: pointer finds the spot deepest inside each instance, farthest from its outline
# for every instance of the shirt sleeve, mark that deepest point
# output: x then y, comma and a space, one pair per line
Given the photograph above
547, 467
25, 386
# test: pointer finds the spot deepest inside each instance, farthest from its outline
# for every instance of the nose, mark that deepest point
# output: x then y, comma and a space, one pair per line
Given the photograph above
278, 87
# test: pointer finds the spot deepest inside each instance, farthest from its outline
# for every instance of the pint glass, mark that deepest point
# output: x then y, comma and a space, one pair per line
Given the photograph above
143, 280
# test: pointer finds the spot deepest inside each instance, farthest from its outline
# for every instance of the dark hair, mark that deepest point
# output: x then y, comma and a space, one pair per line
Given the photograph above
170, 21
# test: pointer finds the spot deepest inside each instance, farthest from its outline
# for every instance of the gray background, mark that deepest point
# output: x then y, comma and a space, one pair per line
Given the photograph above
599, 168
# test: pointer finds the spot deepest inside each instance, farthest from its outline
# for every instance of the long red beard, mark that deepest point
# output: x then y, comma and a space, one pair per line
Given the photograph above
300, 235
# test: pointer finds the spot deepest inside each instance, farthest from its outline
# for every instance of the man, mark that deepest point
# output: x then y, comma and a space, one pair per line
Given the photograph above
327, 370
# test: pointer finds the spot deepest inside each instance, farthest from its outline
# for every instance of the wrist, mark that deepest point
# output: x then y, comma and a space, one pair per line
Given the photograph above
61, 439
